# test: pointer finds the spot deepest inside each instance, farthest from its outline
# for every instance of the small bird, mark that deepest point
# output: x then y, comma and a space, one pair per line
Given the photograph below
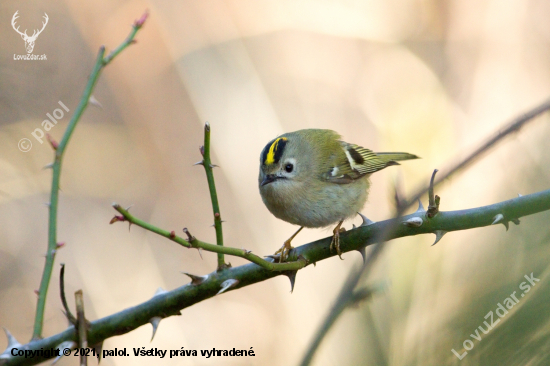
313, 179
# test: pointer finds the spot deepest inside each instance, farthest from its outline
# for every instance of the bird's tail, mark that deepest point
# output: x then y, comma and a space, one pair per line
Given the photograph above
391, 158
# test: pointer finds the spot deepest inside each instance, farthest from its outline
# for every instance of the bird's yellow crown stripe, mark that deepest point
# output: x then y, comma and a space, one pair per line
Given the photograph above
270, 159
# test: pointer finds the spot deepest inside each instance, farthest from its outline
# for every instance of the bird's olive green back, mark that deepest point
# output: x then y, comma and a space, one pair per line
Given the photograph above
324, 156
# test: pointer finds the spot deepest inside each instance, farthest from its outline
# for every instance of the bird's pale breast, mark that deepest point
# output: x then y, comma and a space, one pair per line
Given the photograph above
315, 205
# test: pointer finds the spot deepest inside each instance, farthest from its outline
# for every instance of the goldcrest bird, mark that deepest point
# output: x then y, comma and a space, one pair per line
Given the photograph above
313, 179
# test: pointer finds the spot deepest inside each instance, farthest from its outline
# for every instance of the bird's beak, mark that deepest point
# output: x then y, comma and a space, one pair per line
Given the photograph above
268, 179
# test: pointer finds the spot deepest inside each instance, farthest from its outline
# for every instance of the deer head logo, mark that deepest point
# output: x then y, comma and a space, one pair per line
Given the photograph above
29, 41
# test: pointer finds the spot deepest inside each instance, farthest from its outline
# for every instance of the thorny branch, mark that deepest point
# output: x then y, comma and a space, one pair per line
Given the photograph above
59, 150
192, 242
206, 162
346, 293
168, 303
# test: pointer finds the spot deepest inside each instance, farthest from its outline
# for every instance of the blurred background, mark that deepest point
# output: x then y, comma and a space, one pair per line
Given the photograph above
433, 78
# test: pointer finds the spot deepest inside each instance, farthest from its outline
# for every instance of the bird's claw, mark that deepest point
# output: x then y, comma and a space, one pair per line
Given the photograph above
284, 251
335, 243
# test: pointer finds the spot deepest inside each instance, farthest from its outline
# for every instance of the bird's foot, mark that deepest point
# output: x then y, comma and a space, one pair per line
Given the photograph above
284, 251
286, 248
335, 243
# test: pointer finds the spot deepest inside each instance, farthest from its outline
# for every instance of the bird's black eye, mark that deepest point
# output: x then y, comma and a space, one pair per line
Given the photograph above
289, 168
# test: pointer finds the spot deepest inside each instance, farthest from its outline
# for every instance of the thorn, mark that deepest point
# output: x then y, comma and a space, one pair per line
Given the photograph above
129, 226
363, 253
37, 292
199, 163
155, 321
366, 221
213, 166
98, 347
274, 257
499, 218
228, 284
438, 235
67, 344
196, 280
12, 342
52, 142
116, 219
420, 208
200, 252
413, 222
60, 245
49, 166
93, 101
245, 252
47, 204
515, 221
160, 291
520, 195
292, 277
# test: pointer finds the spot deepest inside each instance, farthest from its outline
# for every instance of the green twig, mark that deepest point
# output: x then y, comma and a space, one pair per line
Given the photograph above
60, 148
208, 168
129, 40
295, 262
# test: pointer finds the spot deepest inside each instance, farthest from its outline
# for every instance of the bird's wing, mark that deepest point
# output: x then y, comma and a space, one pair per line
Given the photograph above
356, 162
